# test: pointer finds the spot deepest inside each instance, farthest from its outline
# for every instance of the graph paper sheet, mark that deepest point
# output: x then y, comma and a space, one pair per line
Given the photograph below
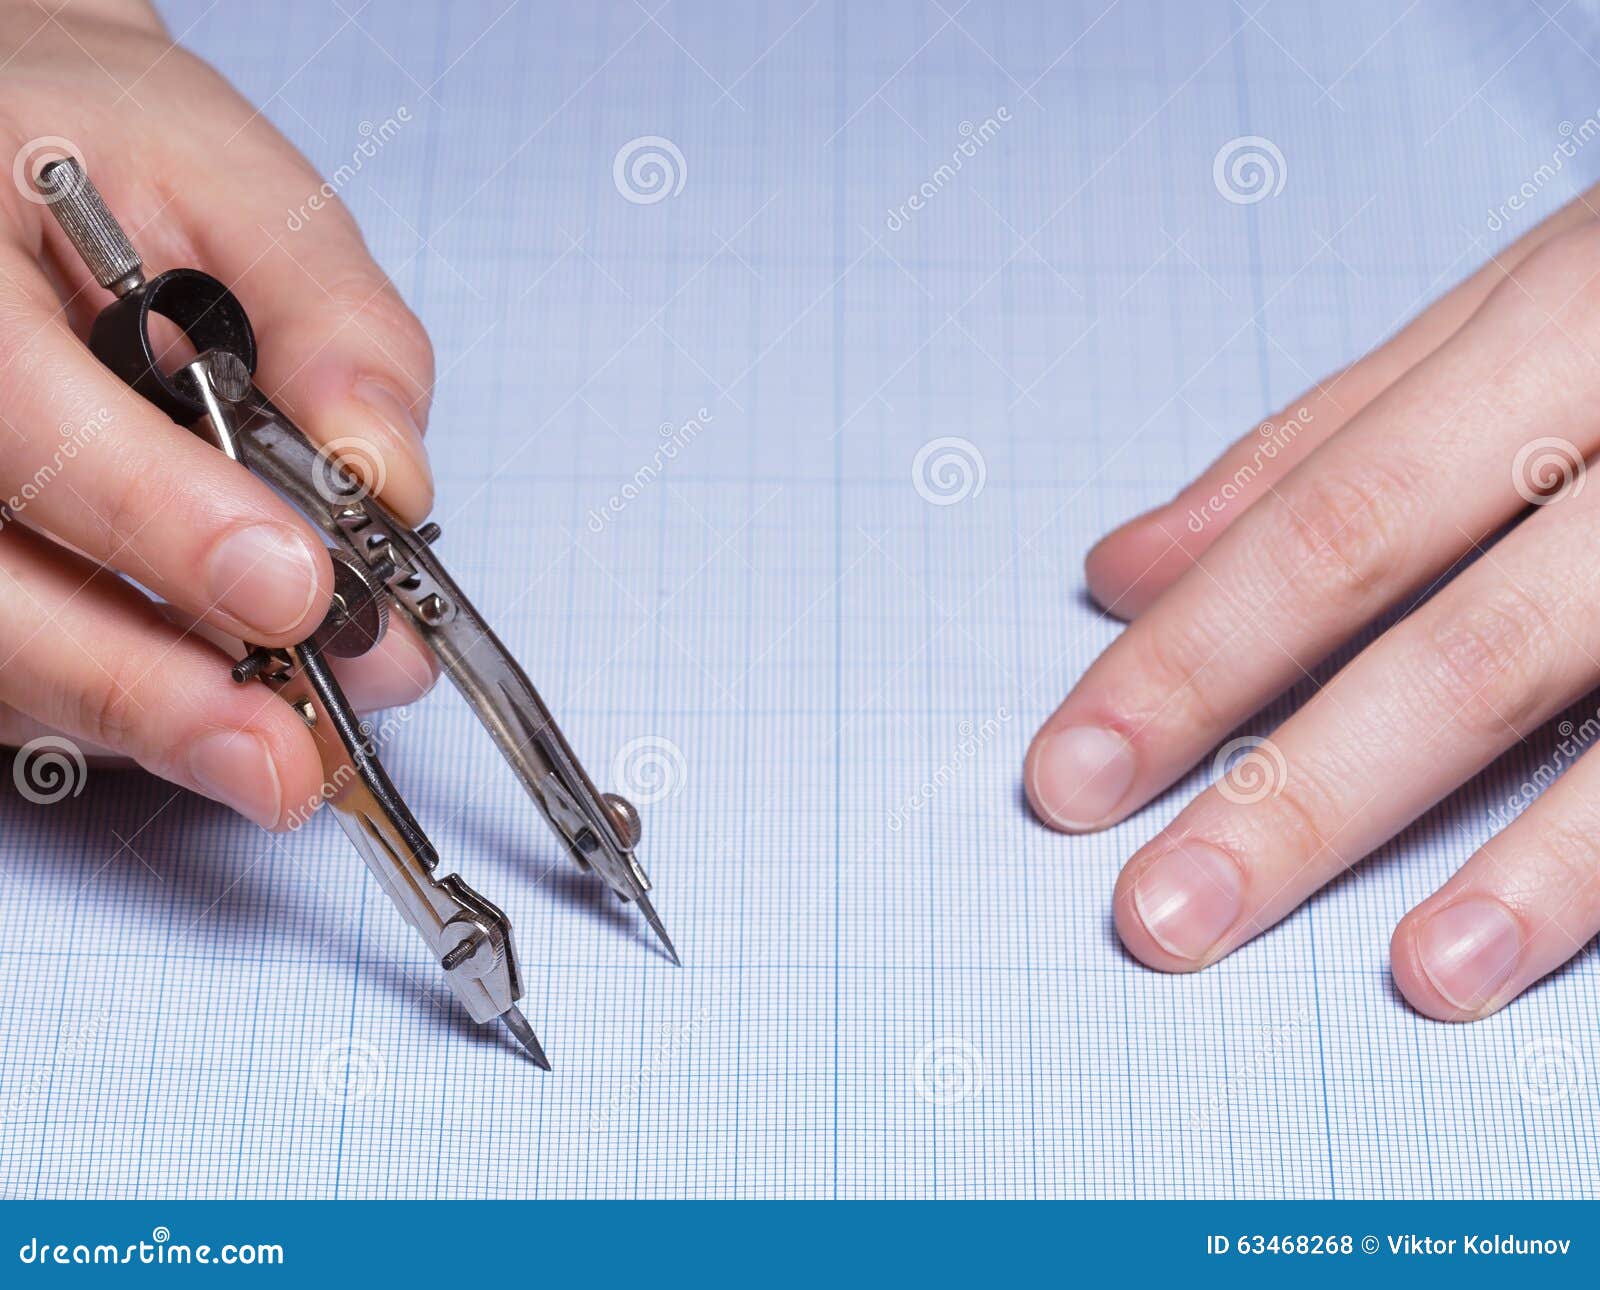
896, 983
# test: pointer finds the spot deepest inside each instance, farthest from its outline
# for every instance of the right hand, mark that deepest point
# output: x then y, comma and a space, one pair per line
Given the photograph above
1440, 476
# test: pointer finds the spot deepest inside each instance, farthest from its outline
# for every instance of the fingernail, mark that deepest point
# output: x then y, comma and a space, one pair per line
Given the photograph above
1080, 774
1188, 898
398, 422
1469, 950
265, 576
235, 768
392, 408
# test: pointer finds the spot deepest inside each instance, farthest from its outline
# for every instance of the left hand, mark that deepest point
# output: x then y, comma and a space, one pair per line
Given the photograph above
105, 498
1376, 486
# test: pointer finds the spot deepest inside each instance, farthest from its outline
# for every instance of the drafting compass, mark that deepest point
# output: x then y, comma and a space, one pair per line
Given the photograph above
379, 564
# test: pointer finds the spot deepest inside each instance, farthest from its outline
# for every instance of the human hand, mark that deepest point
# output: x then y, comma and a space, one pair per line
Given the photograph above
1375, 486
96, 482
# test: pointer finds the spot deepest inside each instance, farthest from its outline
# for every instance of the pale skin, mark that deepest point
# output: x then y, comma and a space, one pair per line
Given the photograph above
201, 180
1405, 464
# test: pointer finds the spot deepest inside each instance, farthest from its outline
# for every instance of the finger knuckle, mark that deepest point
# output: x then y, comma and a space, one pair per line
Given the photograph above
1306, 819
133, 497
370, 306
1489, 661
107, 703
24, 297
1548, 302
1176, 662
358, 292
15, 208
1560, 266
1344, 533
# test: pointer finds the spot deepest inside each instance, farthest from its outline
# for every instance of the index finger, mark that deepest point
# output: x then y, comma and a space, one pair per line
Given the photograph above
89, 462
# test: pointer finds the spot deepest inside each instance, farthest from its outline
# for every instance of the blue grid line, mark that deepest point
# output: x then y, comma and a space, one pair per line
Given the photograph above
776, 606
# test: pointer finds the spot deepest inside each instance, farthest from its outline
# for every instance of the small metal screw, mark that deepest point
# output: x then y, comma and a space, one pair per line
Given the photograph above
625, 815
252, 665
462, 951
